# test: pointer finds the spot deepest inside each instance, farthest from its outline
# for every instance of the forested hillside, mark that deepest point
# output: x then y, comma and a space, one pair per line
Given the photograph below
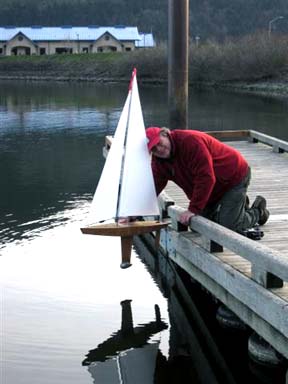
208, 18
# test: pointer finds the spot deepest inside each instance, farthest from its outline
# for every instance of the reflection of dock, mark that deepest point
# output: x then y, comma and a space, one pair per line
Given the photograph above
126, 357
193, 353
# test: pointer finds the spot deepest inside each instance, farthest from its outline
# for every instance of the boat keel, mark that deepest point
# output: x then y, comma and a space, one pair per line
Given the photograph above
126, 247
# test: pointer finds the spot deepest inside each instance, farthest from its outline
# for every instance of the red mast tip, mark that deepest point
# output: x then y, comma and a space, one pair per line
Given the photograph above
132, 78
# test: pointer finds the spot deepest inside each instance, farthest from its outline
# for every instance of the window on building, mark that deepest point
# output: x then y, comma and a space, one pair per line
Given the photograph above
128, 49
42, 51
1, 51
107, 37
63, 50
85, 50
20, 38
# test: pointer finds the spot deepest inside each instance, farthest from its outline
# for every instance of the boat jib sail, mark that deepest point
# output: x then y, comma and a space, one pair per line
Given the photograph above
126, 187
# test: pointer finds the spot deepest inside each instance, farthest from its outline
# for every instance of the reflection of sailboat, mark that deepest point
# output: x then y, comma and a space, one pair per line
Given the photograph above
136, 366
126, 357
126, 187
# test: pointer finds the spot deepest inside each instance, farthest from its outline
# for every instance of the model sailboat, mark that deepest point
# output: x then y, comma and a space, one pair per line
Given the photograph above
126, 186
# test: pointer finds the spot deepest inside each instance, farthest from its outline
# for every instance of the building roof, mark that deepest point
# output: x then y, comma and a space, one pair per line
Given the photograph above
146, 40
67, 32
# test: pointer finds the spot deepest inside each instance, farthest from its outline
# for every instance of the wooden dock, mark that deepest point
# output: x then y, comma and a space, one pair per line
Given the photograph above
249, 277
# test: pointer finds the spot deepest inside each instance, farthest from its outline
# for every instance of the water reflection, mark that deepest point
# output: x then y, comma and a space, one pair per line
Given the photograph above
127, 355
60, 293
134, 366
127, 337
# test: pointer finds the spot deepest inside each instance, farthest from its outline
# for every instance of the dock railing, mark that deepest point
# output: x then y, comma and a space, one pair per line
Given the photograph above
269, 268
278, 145
252, 299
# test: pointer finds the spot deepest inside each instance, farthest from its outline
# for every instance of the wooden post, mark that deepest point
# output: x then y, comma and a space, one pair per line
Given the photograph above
211, 246
178, 47
266, 279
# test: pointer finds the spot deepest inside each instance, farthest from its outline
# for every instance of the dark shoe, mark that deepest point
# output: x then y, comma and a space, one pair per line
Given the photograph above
260, 204
264, 216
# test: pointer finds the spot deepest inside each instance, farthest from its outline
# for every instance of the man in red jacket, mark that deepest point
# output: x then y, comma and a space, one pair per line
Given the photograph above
213, 175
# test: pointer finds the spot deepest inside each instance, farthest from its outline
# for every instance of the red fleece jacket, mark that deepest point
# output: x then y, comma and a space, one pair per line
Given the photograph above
201, 165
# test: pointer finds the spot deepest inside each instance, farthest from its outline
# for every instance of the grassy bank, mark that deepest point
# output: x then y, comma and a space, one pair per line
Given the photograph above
247, 63
253, 64
152, 66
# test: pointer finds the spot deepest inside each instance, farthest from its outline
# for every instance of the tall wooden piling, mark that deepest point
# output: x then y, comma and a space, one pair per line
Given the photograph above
178, 48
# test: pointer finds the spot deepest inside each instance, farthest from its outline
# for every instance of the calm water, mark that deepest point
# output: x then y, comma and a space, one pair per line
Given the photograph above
63, 293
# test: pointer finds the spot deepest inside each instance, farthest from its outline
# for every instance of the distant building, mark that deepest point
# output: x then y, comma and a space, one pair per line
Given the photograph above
38, 40
146, 41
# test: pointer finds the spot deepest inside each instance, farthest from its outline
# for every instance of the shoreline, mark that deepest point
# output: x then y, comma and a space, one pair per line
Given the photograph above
76, 79
273, 89
269, 88
276, 88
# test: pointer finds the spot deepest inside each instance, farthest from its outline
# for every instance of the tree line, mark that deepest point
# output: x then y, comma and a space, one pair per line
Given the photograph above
209, 19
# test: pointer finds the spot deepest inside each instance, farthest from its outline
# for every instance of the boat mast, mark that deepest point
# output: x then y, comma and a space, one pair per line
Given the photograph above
124, 145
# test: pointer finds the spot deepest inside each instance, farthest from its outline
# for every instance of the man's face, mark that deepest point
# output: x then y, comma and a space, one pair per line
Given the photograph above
163, 148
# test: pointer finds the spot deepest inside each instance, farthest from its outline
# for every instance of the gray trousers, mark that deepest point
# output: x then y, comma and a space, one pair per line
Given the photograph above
232, 211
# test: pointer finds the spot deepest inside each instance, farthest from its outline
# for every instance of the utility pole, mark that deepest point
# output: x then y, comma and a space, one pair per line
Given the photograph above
178, 52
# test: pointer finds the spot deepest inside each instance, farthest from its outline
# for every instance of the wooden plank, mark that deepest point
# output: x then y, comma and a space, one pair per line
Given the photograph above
133, 228
243, 134
276, 143
255, 252
254, 321
254, 137
263, 302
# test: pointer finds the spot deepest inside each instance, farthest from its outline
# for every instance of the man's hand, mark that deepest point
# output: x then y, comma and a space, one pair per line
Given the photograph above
185, 217
126, 220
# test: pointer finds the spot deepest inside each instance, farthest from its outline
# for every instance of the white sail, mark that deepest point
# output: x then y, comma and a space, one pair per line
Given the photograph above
138, 196
104, 204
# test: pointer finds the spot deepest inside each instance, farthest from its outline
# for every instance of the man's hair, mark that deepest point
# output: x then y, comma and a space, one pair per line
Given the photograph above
165, 131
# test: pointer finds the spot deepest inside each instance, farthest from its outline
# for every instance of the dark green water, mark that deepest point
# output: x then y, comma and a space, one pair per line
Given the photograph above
60, 290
